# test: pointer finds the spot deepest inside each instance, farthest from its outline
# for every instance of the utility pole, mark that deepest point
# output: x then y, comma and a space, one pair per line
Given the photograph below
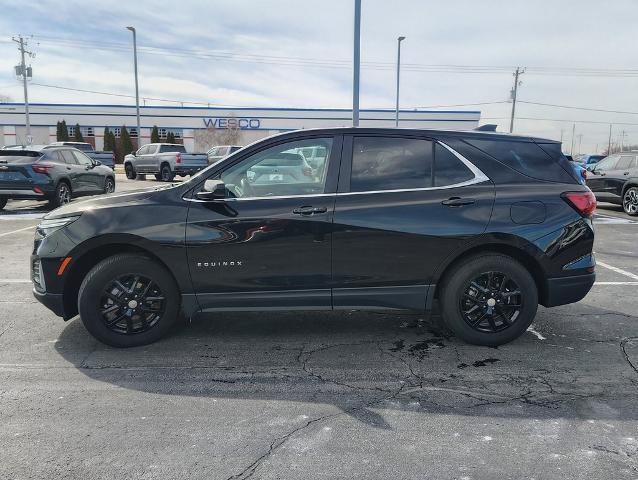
137, 89
561, 135
571, 150
396, 117
356, 63
623, 134
519, 71
580, 141
22, 70
609, 142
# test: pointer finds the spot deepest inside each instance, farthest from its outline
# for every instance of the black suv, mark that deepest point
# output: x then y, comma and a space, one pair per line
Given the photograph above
48, 173
614, 179
490, 225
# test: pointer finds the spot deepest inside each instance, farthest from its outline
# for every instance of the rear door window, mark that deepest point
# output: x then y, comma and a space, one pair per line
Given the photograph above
527, 158
625, 162
390, 163
68, 157
608, 163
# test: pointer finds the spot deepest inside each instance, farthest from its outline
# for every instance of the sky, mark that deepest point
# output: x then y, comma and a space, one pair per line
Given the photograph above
278, 53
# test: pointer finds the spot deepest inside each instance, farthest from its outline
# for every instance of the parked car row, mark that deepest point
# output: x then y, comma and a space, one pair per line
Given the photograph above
614, 179
164, 160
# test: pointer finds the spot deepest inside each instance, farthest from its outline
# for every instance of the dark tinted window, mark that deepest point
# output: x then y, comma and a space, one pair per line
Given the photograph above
85, 147
387, 163
172, 148
18, 156
448, 169
625, 162
527, 158
234, 149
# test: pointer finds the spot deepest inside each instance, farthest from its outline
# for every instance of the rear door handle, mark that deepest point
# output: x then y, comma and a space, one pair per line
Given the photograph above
458, 201
306, 210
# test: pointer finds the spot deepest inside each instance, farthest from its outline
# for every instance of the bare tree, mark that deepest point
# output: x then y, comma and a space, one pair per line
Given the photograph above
5, 99
209, 137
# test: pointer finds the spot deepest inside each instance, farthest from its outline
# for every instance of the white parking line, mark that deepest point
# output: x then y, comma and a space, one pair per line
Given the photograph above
617, 270
14, 280
16, 231
615, 283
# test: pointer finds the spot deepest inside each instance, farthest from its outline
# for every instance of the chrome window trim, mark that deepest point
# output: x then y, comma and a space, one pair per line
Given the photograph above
479, 177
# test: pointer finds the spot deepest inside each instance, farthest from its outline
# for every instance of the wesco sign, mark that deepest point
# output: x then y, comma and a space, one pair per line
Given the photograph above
232, 122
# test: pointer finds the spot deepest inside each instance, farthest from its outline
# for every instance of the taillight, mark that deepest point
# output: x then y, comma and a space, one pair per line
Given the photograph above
178, 158
42, 168
583, 173
583, 202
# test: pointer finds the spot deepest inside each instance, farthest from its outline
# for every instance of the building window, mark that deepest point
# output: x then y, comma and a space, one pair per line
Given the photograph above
163, 132
132, 131
85, 131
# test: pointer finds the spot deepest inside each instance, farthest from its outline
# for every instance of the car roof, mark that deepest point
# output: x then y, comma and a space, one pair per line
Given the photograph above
416, 131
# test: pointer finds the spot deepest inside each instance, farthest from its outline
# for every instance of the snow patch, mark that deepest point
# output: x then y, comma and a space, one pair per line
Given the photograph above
531, 330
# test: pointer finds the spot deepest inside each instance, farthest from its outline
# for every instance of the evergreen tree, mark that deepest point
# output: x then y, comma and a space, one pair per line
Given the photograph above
64, 132
170, 137
78, 134
126, 145
108, 141
155, 135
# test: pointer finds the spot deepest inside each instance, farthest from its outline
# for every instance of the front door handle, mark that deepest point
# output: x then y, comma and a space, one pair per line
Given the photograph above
306, 210
458, 201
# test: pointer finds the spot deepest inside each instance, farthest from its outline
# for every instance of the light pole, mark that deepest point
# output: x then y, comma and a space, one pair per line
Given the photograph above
356, 63
137, 89
396, 115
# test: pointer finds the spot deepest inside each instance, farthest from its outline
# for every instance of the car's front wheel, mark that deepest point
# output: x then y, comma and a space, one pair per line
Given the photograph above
128, 300
630, 201
3, 202
489, 300
130, 173
109, 185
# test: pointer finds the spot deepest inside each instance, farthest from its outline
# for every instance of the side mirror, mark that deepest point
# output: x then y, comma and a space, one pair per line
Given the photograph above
213, 190
97, 162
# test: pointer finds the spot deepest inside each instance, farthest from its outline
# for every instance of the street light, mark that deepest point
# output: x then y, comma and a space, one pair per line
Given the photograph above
137, 90
399, 40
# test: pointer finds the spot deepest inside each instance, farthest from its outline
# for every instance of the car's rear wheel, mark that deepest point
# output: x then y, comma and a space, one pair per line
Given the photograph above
630, 201
167, 174
128, 300
3, 202
109, 185
489, 300
62, 195
158, 176
130, 172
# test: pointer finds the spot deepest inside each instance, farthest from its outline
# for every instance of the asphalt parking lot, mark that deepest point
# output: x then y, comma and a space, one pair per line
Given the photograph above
316, 395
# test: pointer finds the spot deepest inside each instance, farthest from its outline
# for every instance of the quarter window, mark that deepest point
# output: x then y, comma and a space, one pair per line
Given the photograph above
390, 163
448, 169
279, 170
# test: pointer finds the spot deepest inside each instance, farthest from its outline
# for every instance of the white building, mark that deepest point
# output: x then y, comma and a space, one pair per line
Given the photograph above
186, 122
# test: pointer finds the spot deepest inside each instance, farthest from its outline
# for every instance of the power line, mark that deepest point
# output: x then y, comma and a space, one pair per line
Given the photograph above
589, 109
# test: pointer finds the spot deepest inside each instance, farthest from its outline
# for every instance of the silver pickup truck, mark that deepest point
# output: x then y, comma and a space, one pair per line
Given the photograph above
164, 160
105, 158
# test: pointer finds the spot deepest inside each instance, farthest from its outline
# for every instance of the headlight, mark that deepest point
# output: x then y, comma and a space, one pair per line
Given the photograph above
50, 225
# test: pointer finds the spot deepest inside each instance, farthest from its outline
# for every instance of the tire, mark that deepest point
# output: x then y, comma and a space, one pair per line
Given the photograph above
158, 176
109, 185
3, 202
131, 324
166, 174
62, 195
630, 201
488, 304
130, 172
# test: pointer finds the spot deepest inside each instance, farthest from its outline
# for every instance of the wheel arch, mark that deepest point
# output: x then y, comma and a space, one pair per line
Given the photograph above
86, 258
516, 252
632, 182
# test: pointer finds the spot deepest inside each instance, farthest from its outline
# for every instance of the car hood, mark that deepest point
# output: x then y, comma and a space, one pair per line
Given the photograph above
108, 201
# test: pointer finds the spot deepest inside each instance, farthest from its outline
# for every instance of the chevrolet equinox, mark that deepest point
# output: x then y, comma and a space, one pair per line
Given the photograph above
488, 225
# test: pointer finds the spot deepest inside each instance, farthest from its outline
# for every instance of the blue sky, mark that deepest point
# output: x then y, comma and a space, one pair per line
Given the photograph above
298, 54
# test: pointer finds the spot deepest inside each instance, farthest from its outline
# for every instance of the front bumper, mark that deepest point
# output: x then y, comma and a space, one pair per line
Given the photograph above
53, 301
564, 290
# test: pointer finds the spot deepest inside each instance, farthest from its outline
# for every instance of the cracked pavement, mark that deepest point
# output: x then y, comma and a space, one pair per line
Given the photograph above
323, 395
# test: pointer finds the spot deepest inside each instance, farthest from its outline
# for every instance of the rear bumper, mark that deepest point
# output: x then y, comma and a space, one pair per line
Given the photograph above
185, 170
53, 301
564, 290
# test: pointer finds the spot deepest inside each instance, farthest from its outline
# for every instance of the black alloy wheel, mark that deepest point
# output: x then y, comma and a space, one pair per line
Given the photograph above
630, 201
129, 300
132, 304
491, 302
488, 299
62, 195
